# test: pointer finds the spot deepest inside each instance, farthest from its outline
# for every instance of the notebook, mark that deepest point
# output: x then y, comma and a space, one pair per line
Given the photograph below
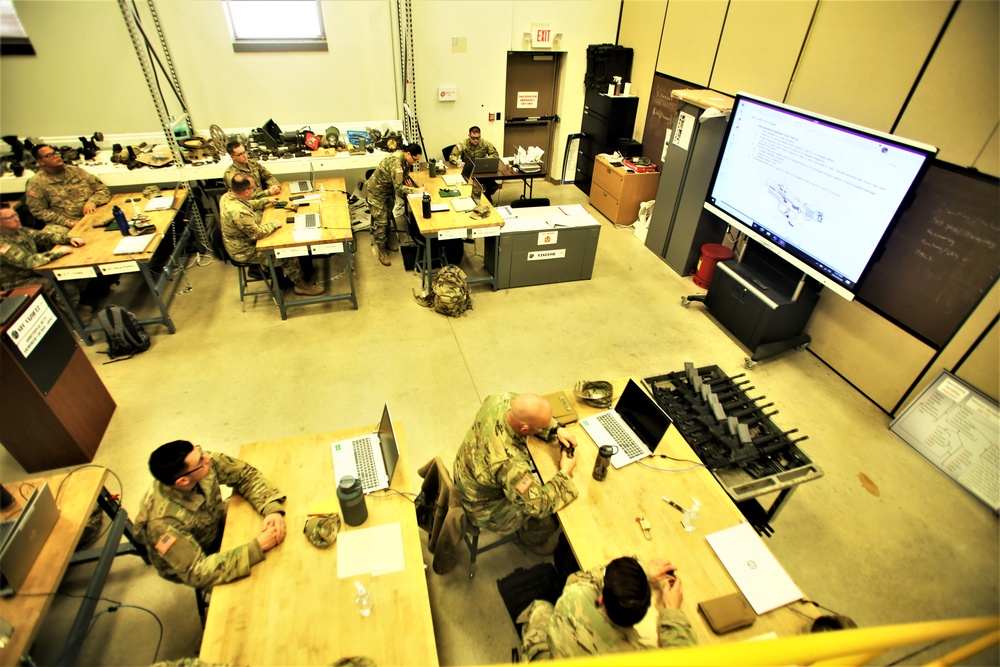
26, 538
133, 245
463, 204
453, 180
371, 458
635, 425
305, 221
298, 187
161, 203
757, 573
486, 165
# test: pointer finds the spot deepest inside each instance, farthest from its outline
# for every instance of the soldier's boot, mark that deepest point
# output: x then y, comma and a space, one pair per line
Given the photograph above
383, 255
305, 289
392, 243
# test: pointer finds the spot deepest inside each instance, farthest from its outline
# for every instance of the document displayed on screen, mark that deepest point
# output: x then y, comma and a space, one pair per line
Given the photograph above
821, 187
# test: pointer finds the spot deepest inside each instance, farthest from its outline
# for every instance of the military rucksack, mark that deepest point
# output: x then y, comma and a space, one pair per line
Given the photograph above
450, 293
124, 334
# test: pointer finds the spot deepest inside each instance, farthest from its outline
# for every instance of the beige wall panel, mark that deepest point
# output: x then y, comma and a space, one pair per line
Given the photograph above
641, 25
989, 159
874, 355
963, 77
982, 362
861, 58
982, 368
691, 34
772, 33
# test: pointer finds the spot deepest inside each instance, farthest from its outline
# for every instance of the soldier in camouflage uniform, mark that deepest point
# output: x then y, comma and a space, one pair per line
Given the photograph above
62, 194
476, 147
390, 180
597, 611
182, 517
262, 178
493, 476
23, 250
242, 227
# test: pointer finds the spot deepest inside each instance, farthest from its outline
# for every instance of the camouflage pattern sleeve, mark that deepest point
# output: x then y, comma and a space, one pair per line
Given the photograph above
536, 500
398, 176
491, 150
37, 198
176, 554
456, 153
19, 255
249, 225
249, 483
228, 176
674, 629
265, 179
101, 195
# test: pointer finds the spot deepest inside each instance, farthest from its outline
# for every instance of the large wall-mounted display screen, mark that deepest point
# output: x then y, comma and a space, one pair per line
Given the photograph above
820, 193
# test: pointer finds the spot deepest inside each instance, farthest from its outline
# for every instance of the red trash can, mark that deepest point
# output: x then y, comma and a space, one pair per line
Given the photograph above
711, 254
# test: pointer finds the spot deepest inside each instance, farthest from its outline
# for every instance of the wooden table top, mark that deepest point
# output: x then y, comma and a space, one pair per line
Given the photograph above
26, 610
335, 216
292, 609
446, 220
101, 243
601, 523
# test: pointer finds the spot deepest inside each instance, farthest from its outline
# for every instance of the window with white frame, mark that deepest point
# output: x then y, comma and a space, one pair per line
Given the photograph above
276, 25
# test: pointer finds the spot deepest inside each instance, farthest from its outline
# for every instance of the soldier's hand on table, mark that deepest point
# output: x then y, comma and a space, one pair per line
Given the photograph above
274, 190
88, 208
671, 593
565, 437
77, 242
268, 539
660, 569
63, 249
567, 464
276, 522
70, 223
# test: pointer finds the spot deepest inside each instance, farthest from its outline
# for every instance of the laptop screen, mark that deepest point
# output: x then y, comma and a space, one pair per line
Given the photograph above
467, 168
387, 441
642, 414
477, 190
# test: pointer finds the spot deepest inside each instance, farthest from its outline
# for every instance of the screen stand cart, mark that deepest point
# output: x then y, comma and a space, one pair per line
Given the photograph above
763, 301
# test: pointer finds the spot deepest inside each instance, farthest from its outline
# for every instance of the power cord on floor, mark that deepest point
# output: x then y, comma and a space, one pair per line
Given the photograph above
111, 610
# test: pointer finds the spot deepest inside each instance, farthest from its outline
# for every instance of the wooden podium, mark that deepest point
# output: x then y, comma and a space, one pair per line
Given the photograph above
55, 408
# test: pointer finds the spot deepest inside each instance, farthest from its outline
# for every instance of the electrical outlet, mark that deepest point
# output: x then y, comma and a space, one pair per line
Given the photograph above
498, 115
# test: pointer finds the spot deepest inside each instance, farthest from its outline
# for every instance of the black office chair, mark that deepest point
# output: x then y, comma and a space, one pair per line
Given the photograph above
447, 152
528, 203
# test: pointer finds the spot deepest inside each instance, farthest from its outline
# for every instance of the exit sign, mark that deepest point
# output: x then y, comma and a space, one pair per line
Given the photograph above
541, 36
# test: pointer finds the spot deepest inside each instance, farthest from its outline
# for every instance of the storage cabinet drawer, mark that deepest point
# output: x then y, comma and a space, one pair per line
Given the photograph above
604, 202
609, 178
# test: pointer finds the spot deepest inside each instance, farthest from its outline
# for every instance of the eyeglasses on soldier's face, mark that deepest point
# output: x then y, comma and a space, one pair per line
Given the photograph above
48, 155
201, 464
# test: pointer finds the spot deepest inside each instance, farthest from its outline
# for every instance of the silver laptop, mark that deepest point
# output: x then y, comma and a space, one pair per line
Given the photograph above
453, 180
298, 187
486, 165
635, 426
26, 538
305, 221
371, 458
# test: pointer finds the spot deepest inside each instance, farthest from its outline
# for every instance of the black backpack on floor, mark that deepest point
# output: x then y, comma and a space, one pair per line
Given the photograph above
124, 334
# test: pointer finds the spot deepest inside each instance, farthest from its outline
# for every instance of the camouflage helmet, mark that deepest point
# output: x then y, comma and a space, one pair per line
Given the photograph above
597, 393
322, 530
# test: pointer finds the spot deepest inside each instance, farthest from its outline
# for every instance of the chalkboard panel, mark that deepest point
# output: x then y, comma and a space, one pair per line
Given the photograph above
941, 258
661, 115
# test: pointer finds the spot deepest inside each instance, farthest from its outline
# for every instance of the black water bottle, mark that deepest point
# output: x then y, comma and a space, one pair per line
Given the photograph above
121, 220
427, 205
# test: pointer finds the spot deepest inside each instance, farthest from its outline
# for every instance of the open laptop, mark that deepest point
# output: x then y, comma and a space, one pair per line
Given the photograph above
298, 187
26, 538
307, 221
635, 426
463, 204
163, 202
371, 458
454, 180
486, 165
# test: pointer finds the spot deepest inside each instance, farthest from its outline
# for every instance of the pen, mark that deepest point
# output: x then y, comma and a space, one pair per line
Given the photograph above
673, 504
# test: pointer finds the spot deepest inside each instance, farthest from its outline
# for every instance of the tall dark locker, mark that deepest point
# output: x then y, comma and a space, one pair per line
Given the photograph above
606, 121
680, 225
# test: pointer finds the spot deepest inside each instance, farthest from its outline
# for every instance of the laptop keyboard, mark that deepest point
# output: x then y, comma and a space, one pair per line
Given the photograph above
621, 437
365, 462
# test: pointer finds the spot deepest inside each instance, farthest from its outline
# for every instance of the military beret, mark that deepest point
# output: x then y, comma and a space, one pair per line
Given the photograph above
322, 530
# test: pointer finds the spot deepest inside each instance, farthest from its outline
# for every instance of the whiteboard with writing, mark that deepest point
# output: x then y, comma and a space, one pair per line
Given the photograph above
955, 426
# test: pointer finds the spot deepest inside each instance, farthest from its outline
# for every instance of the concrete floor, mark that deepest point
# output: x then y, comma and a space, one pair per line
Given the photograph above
884, 537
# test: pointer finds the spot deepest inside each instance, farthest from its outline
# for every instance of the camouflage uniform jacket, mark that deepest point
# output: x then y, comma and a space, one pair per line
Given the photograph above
242, 227
464, 150
492, 470
389, 178
181, 528
59, 198
20, 254
580, 627
262, 179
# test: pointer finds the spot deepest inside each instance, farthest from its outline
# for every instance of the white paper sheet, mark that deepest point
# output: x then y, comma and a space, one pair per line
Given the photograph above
376, 550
